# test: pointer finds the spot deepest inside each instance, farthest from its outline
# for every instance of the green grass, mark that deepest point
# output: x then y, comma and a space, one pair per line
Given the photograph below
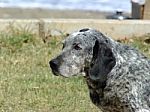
26, 81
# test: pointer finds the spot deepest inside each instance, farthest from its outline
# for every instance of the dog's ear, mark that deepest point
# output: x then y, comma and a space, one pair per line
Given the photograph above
102, 62
107, 57
95, 49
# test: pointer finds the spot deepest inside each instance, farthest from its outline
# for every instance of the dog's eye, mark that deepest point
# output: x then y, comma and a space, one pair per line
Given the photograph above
77, 46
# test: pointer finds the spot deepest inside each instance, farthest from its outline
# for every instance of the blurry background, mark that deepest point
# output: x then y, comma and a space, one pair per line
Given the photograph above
62, 8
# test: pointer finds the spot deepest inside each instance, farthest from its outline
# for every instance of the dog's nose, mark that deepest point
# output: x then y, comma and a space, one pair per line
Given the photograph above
54, 64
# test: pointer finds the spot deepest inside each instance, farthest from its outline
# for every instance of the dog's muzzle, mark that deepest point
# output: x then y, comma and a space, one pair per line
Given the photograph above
54, 64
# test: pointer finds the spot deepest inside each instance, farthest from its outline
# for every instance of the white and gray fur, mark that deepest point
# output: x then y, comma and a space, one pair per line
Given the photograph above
76, 53
118, 76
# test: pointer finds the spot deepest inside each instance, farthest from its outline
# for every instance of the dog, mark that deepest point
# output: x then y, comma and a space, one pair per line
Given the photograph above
117, 75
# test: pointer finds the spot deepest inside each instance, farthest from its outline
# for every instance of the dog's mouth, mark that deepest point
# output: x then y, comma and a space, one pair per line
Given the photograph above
55, 72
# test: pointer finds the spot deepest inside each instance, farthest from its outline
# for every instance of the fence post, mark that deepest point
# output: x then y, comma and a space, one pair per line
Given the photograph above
147, 10
42, 30
137, 9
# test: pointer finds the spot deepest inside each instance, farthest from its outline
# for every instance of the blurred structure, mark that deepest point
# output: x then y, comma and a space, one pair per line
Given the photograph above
147, 10
137, 9
118, 15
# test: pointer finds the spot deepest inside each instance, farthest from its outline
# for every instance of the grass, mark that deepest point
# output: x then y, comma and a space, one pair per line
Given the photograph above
26, 81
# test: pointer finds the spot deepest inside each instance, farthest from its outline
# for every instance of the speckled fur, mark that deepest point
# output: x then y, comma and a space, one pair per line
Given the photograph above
127, 85
73, 61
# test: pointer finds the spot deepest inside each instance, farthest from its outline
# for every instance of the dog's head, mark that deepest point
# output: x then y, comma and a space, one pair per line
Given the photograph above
102, 62
76, 54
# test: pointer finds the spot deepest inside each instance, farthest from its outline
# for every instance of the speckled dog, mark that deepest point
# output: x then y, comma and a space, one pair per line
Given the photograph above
118, 76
